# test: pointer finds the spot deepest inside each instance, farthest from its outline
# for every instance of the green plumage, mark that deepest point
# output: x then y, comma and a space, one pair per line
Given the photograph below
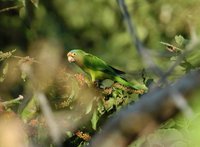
98, 69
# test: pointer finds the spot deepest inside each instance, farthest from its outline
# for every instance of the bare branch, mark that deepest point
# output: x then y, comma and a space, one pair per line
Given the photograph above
11, 8
136, 41
55, 132
14, 101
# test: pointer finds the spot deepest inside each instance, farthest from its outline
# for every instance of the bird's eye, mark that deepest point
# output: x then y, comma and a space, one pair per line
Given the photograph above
74, 54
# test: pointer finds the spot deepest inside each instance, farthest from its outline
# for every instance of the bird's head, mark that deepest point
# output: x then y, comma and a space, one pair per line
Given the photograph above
75, 55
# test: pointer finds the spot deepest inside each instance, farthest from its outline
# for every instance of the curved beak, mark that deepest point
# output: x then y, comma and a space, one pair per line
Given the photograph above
71, 57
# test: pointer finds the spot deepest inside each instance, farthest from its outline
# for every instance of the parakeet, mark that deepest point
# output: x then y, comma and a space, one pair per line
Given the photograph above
98, 69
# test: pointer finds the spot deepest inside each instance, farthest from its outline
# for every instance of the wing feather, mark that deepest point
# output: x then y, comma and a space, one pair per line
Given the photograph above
95, 63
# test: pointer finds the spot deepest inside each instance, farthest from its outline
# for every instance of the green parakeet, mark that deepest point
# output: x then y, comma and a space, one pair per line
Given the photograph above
99, 69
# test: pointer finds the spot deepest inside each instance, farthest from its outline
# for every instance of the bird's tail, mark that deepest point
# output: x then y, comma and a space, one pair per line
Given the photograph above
136, 86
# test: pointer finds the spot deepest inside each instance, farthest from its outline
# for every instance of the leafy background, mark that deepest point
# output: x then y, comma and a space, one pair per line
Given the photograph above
35, 37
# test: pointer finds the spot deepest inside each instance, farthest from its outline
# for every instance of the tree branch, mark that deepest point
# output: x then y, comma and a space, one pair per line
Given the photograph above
145, 115
136, 41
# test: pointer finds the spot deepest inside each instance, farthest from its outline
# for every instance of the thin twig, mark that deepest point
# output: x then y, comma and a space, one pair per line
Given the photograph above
171, 48
136, 41
14, 101
54, 129
130, 26
27, 58
11, 8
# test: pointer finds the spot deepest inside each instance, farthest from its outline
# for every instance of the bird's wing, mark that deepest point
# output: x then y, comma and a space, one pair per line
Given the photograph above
95, 63
117, 70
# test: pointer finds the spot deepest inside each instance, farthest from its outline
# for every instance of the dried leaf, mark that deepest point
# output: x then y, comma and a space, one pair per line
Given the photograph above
6, 55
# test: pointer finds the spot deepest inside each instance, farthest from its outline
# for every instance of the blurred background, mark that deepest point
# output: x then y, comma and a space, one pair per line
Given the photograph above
34, 32
97, 26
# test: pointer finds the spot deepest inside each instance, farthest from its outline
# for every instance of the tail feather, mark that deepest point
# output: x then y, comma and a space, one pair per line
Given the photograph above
128, 84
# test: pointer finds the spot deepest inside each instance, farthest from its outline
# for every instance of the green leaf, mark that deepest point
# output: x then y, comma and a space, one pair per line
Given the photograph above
138, 143
69, 133
23, 76
101, 108
89, 108
179, 40
106, 83
169, 124
94, 119
30, 110
174, 58
5, 69
4, 72
164, 137
187, 65
109, 104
